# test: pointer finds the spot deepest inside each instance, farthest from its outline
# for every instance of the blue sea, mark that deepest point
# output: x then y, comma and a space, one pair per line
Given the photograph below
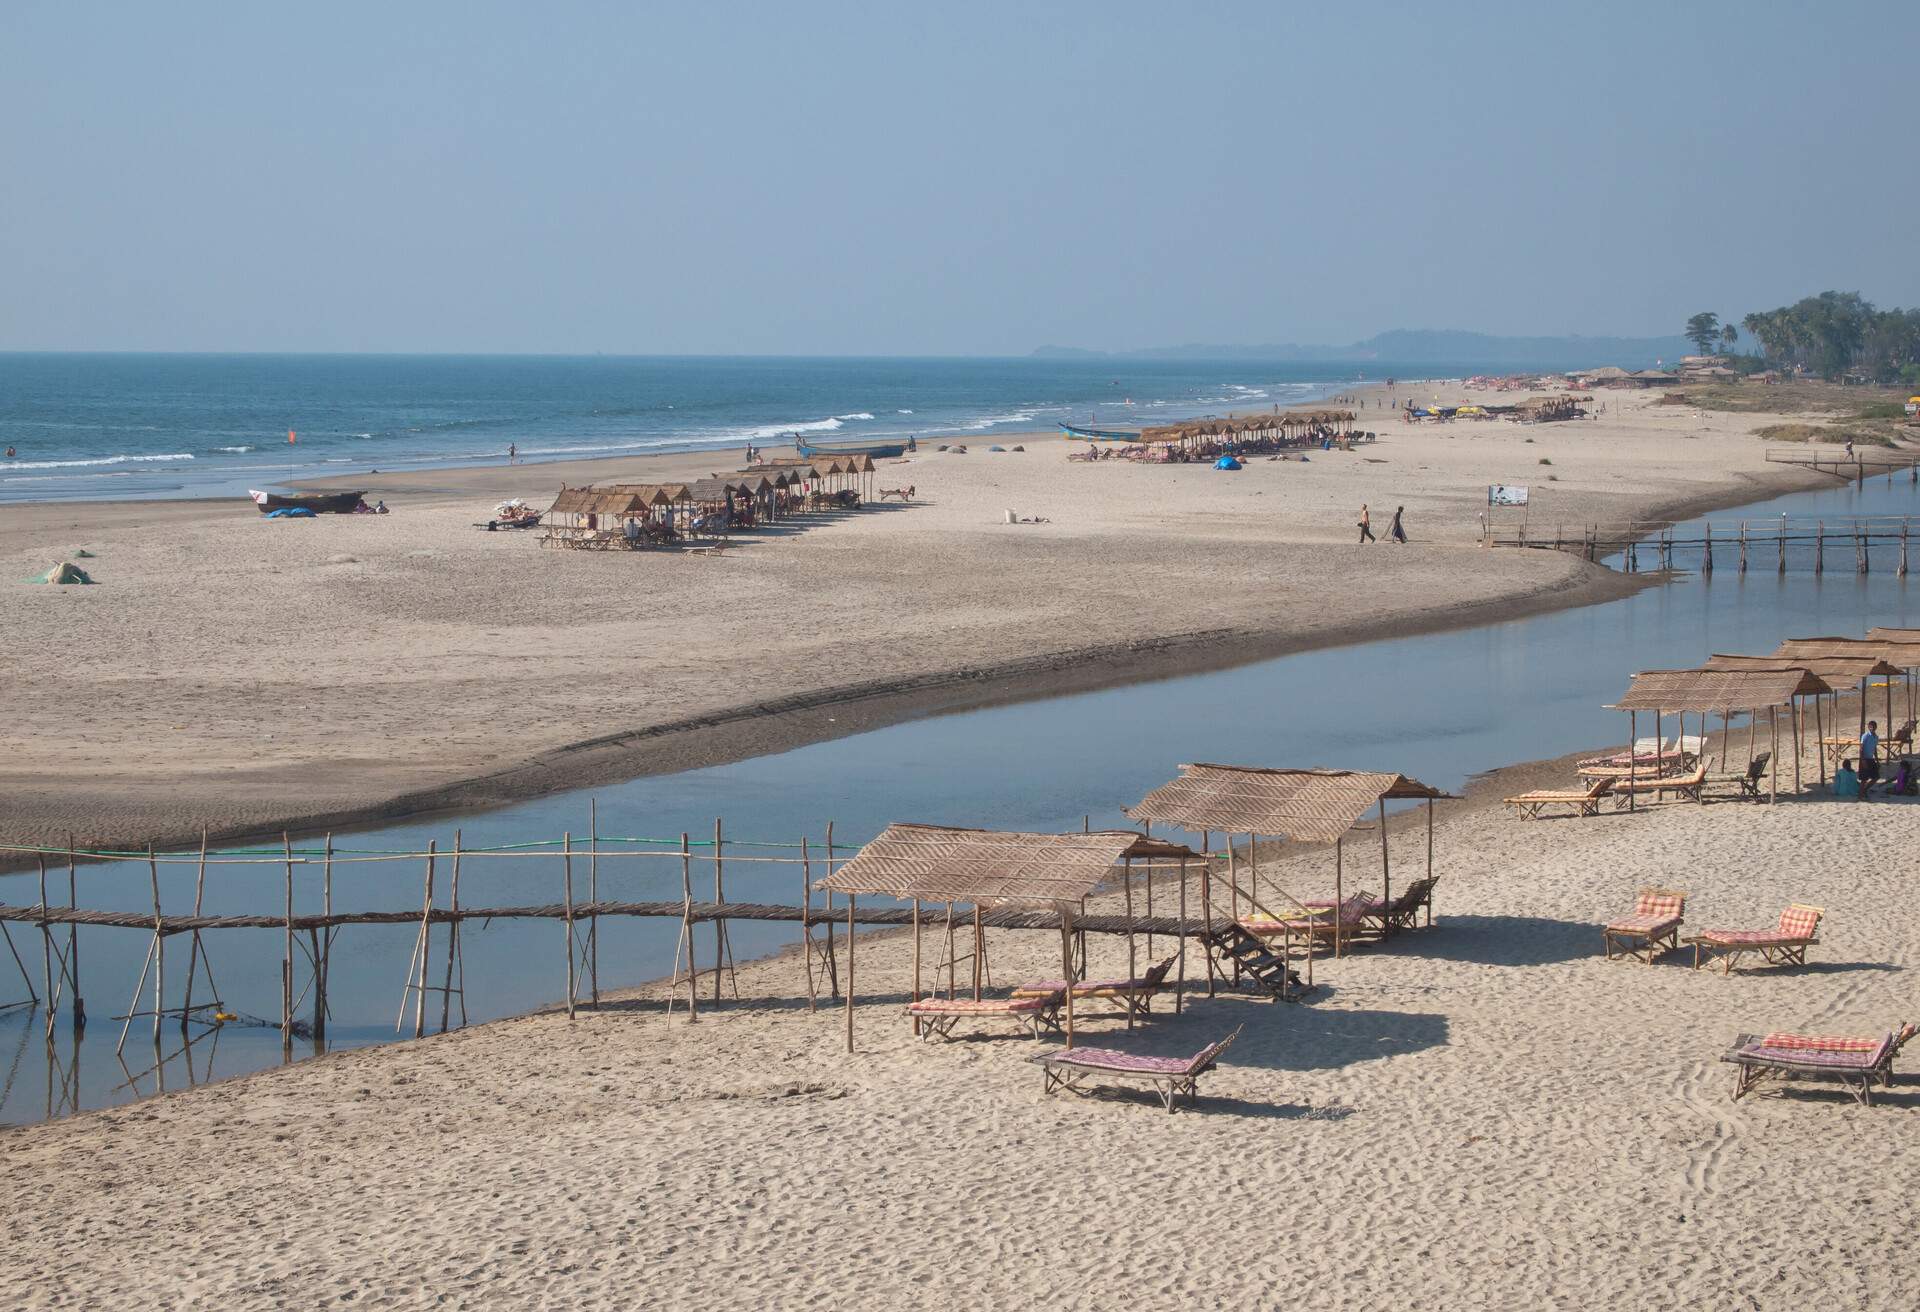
129, 426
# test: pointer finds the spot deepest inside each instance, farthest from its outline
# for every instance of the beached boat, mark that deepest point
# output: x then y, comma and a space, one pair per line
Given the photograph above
320, 503
1072, 432
877, 450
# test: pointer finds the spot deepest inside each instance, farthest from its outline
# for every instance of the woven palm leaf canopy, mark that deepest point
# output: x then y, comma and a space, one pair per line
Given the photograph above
1307, 806
1896, 655
1727, 686
936, 863
990, 867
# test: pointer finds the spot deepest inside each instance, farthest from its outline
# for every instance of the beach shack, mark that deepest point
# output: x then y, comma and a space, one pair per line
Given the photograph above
1317, 806
1898, 656
1704, 692
1008, 879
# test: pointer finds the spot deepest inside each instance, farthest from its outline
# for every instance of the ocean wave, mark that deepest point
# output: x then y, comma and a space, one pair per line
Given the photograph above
233, 450
903, 412
104, 460
990, 421
862, 415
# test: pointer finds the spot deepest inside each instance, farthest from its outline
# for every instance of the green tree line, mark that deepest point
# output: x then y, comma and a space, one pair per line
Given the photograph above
1832, 335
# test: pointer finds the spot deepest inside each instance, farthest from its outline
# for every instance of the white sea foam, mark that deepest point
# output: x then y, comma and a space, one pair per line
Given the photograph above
990, 421
236, 450
104, 460
861, 415
903, 412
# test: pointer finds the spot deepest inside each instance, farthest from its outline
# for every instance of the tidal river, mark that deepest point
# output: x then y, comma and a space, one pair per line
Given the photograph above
1441, 707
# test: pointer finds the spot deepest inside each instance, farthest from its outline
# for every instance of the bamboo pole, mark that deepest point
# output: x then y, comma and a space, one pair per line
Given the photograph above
286, 1002
686, 916
46, 955
1206, 903
566, 876
326, 939
453, 934
916, 963
1773, 761
1339, 896
1066, 963
850, 903
806, 920
73, 946
426, 944
593, 900
1386, 868
1180, 980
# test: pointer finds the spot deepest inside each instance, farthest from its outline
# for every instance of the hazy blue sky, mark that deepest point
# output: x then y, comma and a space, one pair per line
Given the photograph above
826, 178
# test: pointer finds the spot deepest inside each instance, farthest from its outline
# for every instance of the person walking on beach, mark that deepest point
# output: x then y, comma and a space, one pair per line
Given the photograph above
513, 452
1870, 754
1395, 532
1366, 525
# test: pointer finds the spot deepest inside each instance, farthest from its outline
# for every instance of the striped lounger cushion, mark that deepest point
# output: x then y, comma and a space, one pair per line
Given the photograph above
1644, 924
1820, 1042
1084, 986
1750, 938
1798, 923
984, 1007
1109, 1059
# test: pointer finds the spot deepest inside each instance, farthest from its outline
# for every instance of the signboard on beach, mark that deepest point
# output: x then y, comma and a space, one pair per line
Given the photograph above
1506, 494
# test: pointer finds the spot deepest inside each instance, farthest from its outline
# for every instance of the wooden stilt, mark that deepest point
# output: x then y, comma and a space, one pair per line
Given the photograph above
593, 900
806, 921
1773, 762
73, 942
566, 885
325, 966
850, 904
426, 944
46, 956
916, 963
1386, 866
453, 935
1180, 980
286, 956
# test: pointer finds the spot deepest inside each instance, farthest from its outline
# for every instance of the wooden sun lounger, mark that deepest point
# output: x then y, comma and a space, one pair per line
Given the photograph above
938, 1016
1687, 785
1584, 801
1784, 945
1401, 913
1317, 921
1134, 996
1746, 783
1653, 926
1855, 1063
1170, 1076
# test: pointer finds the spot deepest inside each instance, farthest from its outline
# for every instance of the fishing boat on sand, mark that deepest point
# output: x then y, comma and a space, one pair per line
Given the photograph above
1074, 432
320, 503
884, 450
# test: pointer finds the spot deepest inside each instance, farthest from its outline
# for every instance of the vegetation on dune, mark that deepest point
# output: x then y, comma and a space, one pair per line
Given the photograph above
1839, 335
1857, 434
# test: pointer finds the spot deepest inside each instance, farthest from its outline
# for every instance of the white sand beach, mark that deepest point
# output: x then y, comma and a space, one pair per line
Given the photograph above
1484, 1114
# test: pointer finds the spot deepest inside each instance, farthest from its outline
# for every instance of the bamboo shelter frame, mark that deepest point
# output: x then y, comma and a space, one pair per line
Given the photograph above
1723, 692
1300, 805
994, 868
436, 968
1894, 658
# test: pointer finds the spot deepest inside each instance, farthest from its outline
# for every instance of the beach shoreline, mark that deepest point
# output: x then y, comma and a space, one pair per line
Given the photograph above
800, 707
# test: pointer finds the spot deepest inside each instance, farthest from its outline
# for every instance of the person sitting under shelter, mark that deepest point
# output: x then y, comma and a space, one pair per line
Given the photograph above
1845, 782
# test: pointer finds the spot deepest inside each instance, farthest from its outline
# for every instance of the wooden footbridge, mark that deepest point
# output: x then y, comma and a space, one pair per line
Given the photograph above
1780, 544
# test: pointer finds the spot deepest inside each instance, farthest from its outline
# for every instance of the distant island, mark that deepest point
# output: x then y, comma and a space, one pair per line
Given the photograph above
1424, 346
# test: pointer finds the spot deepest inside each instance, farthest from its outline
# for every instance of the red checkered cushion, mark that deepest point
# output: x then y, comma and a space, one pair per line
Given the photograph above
1643, 924
1748, 938
1799, 922
984, 1007
1818, 1058
1651, 902
1112, 1059
1819, 1042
